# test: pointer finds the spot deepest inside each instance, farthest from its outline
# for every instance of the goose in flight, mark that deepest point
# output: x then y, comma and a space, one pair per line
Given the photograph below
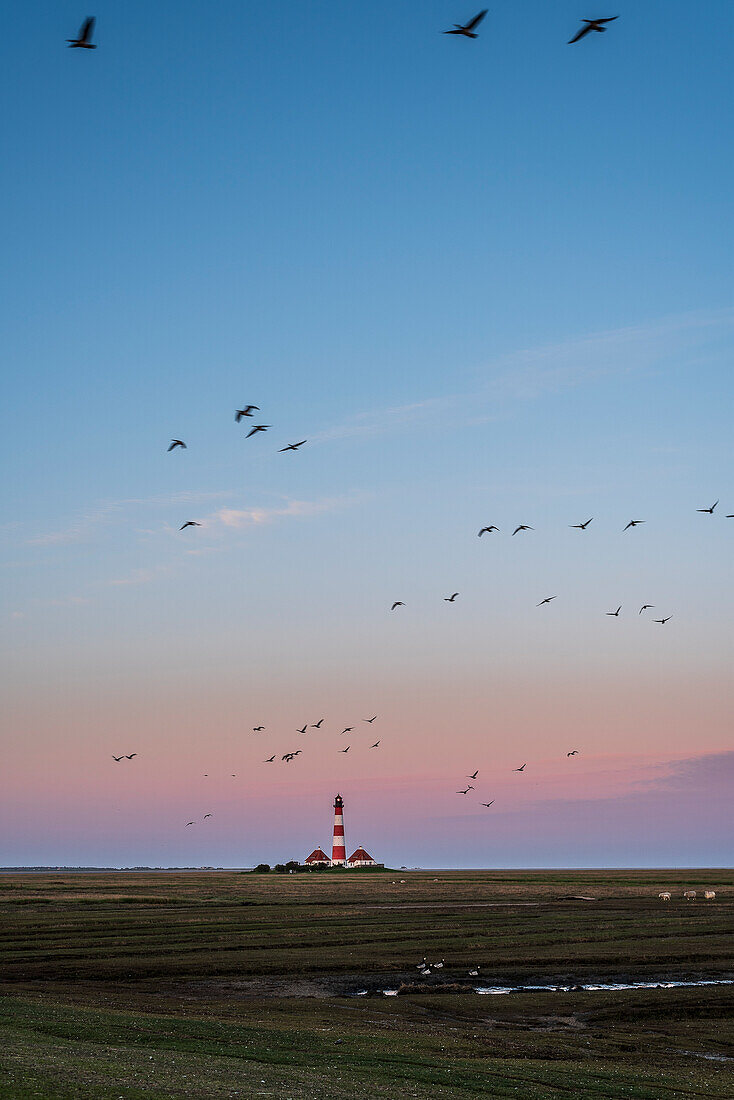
258, 729
709, 510
131, 755
303, 730
370, 720
206, 816
614, 614
81, 42
375, 745
189, 523
488, 804
177, 443
294, 446
269, 760
634, 523
467, 29
573, 752
663, 621
117, 758
546, 600
581, 526
645, 607
469, 788
347, 729
346, 749
474, 776
521, 768
522, 527
591, 25
450, 599
189, 823
256, 429
398, 603
316, 725
488, 530
247, 411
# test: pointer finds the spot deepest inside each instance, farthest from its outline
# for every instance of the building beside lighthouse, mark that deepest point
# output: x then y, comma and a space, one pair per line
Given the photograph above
359, 858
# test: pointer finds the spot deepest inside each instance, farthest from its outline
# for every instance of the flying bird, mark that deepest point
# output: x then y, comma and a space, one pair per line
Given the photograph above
546, 600
398, 603
347, 729
573, 752
257, 729
488, 804
346, 749
450, 599
316, 725
177, 443
189, 523
206, 816
294, 446
645, 607
375, 745
488, 530
303, 730
467, 29
476, 773
614, 614
521, 768
581, 526
709, 510
369, 719
81, 42
634, 523
247, 411
469, 788
132, 754
256, 429
663, 621
591, 25
522, 527
269, 760
118, 758
189, 823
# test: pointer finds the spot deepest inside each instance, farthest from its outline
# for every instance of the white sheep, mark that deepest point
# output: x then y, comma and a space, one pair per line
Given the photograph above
709, 894
664, 895
689, 895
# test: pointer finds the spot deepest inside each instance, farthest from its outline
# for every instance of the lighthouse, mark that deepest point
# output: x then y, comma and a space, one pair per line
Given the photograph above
338, 851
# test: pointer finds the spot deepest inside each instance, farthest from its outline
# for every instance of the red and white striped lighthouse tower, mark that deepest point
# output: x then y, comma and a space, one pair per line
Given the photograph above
338, 850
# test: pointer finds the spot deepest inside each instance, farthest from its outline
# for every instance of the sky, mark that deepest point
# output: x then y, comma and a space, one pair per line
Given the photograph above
490, 282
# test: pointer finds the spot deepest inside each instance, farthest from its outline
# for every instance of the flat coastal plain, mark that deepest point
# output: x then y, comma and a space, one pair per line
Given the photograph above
226, 984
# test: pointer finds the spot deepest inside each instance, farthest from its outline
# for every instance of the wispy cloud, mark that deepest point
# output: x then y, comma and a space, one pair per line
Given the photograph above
258, 516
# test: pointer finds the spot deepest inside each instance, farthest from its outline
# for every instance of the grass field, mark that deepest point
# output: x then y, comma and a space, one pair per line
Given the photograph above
224, 984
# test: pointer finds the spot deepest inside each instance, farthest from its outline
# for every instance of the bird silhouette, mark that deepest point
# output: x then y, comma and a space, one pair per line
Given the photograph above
375, 745
521, 768
346, 749
488, 530
398, 603
347, 729
450, 599
573, 752
247, 411
634, 523
546, 600
488, 804
189, 523
369, 719
645, 607
303, 730
522, 527
81, 42
118, 758
476, 773
469, 788
256, 429
709, 510
257, 729
316, 725
467, 29
177, 443
269, 760
663, 621
131, 755
591, 25
614, 614
189, 823
294, 446
206, 816
581, 526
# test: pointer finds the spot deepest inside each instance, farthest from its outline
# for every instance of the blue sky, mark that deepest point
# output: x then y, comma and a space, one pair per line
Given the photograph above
489, 281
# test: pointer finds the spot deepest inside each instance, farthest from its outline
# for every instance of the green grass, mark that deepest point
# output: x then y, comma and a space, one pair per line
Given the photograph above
191, 985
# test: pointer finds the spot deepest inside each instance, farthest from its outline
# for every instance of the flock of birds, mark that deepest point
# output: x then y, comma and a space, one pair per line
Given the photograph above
83, 40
